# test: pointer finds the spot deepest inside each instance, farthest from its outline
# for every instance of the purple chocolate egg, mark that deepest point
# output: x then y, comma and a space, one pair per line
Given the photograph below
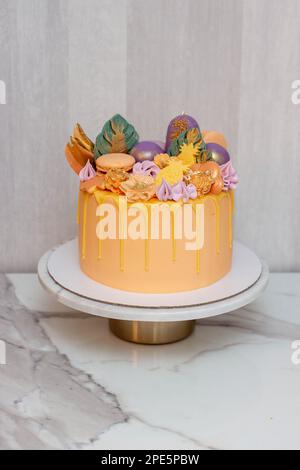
218, 153
178, 125
161, 144
146, 150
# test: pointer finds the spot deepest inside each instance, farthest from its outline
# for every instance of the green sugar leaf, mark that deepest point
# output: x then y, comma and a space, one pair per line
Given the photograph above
189, 136
117, 136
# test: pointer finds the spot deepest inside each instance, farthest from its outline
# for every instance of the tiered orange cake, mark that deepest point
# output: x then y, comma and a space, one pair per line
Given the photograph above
154, 217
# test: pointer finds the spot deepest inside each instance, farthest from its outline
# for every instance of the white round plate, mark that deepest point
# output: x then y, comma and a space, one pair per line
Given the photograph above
59, 272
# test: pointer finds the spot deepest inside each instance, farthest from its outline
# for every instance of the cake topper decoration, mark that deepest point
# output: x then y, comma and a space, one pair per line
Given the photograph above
217, 186
178, 125
114, 178
218, 153
181, 191
196, 163
229, 176
80, 137
189, 153
171, 173
162, 160
78, 150
138, 188
213, 137
164, 191
146, 150
190, 137
202, 181
206, 177
87, 172
117, 136
120, 161
146, 168
176, 192
91, 185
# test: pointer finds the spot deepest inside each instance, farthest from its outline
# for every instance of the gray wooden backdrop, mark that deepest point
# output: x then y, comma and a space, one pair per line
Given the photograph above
230, 63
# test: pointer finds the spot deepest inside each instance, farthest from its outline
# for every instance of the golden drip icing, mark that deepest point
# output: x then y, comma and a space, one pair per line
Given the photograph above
216, 202
230, 198
122, 241
100, 199
85, 205
198, 252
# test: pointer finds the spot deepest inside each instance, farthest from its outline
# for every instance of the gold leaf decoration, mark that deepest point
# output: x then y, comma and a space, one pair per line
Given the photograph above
82, 139
117, 139
180, 124
192, 136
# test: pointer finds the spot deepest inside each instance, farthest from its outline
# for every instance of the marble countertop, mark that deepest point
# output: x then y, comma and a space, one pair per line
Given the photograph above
68, 383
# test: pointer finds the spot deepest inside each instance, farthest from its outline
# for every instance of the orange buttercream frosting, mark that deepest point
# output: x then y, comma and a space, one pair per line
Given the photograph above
156, 265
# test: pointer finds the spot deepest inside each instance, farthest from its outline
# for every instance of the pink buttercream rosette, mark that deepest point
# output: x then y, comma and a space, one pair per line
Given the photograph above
146, 168
164, 191
176, 192
183, 191
229, 176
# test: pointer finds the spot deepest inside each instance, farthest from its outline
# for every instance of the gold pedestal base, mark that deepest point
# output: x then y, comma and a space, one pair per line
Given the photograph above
144, 332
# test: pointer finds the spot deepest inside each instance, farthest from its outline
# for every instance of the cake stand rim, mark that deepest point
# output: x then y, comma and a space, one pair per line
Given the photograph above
146, 313
235, 282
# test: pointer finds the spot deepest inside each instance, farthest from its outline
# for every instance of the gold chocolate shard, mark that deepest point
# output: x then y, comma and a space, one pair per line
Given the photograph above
82, 139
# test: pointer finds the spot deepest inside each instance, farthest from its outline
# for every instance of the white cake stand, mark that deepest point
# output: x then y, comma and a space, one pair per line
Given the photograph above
151, 318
